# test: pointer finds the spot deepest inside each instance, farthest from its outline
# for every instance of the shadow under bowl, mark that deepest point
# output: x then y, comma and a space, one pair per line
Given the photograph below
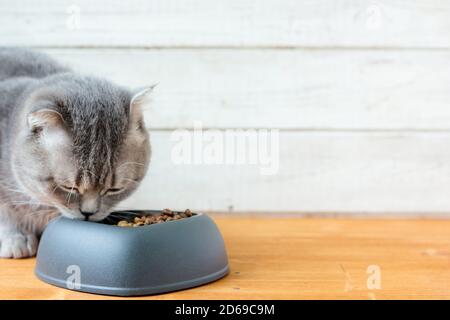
125, 261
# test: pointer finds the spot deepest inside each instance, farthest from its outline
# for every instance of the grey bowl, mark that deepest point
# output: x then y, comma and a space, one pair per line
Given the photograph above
125, 261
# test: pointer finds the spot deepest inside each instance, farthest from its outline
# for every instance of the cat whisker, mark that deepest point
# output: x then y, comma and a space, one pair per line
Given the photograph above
130, 163
16, 191
41, 213
24, 202
70, 194
130, 180
121, 208
125, 213
54, 189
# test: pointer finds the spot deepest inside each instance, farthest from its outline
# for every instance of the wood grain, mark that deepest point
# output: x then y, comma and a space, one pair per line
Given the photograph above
286, 89
293, 258
235, 23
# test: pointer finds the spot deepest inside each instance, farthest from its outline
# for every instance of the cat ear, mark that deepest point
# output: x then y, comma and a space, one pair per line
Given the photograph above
44, 118
137, 101
142, 94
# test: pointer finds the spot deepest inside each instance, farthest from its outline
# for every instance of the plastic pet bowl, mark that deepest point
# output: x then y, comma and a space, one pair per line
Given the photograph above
125, 261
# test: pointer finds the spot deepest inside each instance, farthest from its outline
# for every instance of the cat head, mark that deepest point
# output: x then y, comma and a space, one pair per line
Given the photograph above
81, 145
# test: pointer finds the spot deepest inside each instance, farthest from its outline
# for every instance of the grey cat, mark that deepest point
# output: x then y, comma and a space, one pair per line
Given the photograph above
71, 144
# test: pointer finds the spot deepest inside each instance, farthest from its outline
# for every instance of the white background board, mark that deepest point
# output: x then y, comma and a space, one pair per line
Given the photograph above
360, 93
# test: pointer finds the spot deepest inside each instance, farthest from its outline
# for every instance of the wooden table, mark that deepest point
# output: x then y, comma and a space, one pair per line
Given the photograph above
301, 258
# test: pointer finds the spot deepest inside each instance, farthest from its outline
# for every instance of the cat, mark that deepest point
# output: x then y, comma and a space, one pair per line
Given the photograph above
71, 144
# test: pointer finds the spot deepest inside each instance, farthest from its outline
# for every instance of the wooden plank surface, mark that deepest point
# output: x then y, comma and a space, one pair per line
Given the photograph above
317, 172
286, 89
237, 23
294, 258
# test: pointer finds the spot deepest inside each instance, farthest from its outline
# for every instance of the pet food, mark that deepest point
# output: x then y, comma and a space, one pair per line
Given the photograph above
166, 215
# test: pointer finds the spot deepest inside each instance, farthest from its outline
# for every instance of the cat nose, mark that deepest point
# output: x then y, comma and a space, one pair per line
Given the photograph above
87, 214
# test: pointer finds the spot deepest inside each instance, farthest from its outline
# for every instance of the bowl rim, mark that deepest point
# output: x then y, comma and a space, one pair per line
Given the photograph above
195, 215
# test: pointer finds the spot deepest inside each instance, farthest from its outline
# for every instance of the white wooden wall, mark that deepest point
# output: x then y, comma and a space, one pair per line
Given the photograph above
360, 91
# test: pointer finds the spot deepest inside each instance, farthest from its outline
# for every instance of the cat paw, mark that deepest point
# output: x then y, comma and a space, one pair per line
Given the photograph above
18, 245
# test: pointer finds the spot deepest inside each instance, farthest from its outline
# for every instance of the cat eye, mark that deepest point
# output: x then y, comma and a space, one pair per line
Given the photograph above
112, 191
69, 189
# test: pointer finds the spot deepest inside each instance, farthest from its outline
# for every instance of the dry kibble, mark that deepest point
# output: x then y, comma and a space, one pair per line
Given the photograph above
167, 212
149, 220
166, 215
